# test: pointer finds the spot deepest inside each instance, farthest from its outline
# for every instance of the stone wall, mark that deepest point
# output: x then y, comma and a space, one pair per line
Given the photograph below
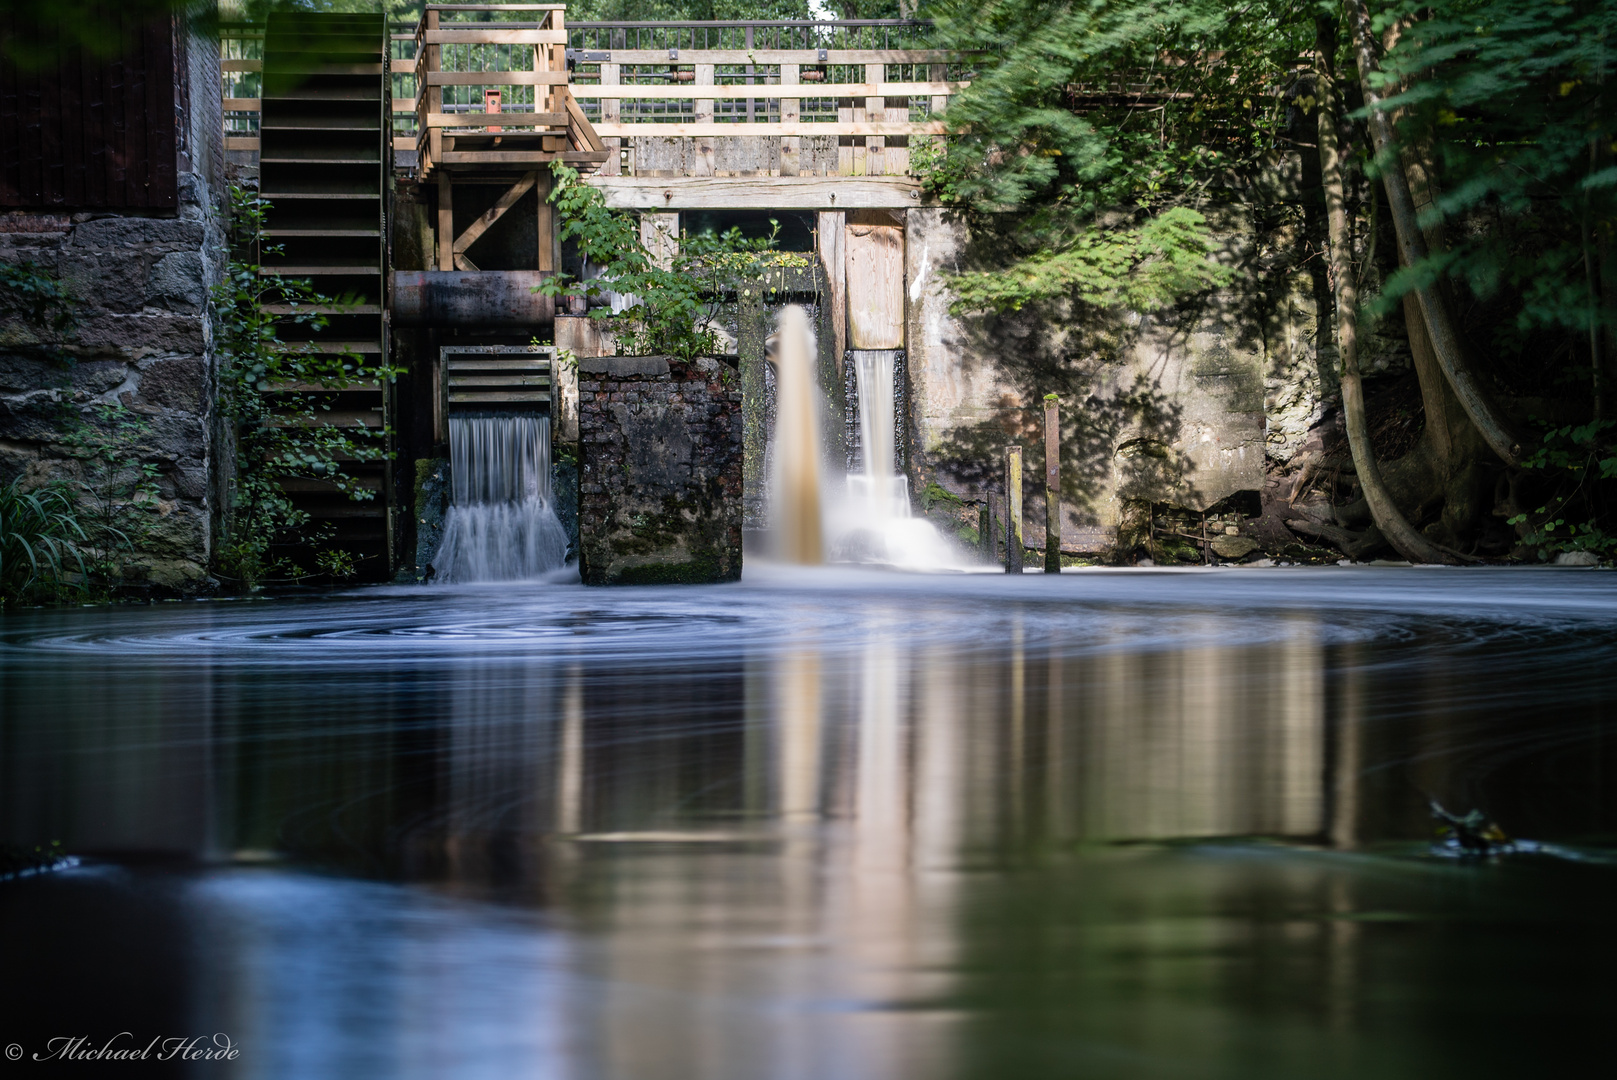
660, 483
142, 343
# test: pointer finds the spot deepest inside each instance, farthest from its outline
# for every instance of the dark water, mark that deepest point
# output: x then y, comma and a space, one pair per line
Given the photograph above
1146, 824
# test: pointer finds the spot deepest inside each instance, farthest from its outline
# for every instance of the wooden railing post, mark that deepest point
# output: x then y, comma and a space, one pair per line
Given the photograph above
429, 140
875, 112
790, 113
611, 113
702, 156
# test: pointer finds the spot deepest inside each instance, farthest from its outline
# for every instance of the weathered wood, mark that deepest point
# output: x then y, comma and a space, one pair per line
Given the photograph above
243, 104
660, 235
507, 200
1052, 484
697, 130
545, 222
520, 157
702, 156
446, 223
875, 257
831, 232
496, 78
782, 90
497, 37
760, 193
786, 56
790, 111
1013, 509
584, 131
512, 121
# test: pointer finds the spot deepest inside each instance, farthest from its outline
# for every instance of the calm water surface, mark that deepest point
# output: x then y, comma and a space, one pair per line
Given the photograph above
840, 825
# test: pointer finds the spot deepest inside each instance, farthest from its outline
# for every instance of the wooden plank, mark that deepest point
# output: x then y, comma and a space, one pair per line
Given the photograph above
496, 78
508, 121
507, 200
875, 258
241, 65
765, 131
787, 56
491, 36
830, 233
761, 193
730, 91
875, 109
581, 126
446, 223
790, 112
520, 157
702, 152
545, 226
243, 104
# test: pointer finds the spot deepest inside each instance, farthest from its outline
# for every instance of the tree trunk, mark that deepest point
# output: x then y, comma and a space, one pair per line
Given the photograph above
1495, 427
1388, 518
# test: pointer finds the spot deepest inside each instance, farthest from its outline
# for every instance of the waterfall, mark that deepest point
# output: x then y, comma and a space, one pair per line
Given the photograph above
501, 526
880, 490
795, 511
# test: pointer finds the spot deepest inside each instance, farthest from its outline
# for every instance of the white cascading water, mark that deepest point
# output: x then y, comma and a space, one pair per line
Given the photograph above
501, 525
869, 520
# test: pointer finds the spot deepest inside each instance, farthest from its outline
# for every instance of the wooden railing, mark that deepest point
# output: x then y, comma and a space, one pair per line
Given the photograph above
703, 98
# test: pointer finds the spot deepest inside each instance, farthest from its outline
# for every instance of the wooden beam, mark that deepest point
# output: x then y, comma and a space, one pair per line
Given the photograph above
520, 157
581, 126
506, 120
496, 78
786, 56
757, 192
477, 228
491, 36
446, 223
767, 130
730, 91
545, 222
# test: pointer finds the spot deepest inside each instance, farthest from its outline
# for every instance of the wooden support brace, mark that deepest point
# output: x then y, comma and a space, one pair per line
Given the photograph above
477, 228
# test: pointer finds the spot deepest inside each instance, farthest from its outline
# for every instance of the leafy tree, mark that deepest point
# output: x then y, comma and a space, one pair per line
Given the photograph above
1094, 135
676, 302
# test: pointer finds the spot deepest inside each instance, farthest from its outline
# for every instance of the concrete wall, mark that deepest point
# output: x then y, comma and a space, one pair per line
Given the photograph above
660, 457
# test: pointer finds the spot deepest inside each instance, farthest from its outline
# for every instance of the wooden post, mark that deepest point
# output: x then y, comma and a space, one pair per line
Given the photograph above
432, 102
1013, 509
1052, 484
702, 150
875, 110
546, 221
611, 113
985, 529
790, 113
446, 220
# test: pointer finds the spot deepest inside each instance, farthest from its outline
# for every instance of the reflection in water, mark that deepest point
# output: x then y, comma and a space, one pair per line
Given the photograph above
1112, 825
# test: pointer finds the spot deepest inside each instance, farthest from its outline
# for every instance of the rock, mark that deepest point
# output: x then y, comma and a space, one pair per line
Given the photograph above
1577, 558
174, 383
116, 232
178, 282
1234, 547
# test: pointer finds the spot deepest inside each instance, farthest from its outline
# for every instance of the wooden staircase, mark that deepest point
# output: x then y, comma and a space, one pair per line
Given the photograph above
323, 166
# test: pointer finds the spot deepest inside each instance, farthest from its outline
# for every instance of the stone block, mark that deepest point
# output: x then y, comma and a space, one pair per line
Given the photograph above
174, 382
660, 498
163, 332
109, 281
177, 282
129, 232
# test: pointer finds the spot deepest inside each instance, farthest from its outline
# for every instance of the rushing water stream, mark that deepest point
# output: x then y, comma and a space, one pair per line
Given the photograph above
501, 524
831, 823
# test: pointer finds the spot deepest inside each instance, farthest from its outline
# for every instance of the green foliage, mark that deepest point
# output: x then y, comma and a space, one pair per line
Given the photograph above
1093, 133
40, 538
276, 395
1517, 101
675, 310
40, 300
1579, 457
117, 489
336, 563
1144, 268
